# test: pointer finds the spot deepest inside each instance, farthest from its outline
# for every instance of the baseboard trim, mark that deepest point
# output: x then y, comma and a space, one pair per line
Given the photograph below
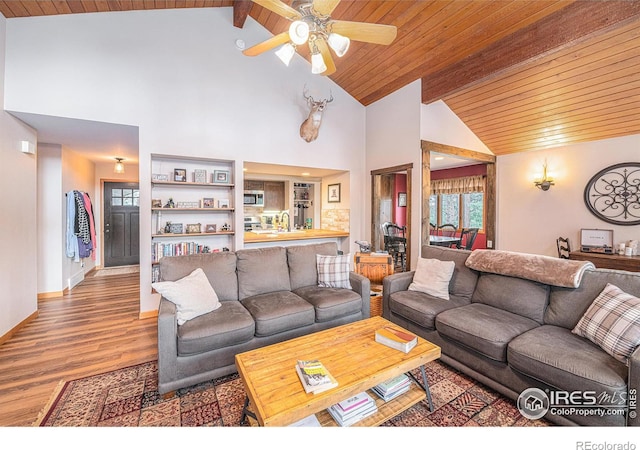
46, 295
148, 314
17, 328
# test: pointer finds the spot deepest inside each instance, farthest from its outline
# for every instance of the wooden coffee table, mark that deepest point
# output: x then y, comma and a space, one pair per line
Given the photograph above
275, 396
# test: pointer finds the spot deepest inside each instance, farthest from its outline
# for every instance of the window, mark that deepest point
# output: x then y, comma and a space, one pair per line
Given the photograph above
458, 201
125, 197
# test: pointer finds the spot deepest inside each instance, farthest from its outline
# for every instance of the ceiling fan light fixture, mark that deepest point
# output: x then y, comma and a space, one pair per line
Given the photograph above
285, 53
317, 63
339, 44
299, 32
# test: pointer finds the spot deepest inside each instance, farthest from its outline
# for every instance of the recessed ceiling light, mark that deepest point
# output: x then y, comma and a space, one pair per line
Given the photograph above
305, 174
439, 158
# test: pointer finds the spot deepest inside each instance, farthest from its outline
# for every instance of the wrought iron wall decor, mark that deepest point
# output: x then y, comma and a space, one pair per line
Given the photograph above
613, 194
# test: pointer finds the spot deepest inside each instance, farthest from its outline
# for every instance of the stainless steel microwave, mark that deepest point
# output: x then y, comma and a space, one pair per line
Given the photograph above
254, 198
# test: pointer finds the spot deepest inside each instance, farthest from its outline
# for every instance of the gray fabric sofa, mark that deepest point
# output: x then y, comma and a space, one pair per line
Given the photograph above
512, 333
268, 295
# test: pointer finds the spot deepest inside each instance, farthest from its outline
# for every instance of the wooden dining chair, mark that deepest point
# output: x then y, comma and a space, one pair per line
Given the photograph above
467, 238
563, 247
447, 229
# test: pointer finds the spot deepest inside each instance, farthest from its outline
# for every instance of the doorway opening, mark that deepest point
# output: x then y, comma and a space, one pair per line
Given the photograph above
490, 189
391, 203
121, 223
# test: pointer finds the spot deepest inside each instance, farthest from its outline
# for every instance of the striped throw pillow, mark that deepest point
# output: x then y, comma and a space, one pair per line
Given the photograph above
333, 271
612, 322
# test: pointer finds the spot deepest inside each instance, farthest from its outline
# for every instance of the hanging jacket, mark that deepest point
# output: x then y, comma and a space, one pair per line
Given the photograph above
72, 239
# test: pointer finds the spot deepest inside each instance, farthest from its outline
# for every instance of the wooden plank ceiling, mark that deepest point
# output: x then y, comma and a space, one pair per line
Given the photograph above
523, 75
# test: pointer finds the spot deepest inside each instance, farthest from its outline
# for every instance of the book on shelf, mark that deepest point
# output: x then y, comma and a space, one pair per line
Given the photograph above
353, 403
309, 421
363, 410
394, 383
388, 396
396, 338
314, 376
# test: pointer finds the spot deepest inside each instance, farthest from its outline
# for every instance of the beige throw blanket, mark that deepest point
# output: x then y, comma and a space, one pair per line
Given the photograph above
544, 269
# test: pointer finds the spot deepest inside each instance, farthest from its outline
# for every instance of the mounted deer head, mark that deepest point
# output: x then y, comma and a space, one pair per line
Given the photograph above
310, 127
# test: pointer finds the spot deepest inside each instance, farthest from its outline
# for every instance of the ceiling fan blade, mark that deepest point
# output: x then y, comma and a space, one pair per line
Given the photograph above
326, 55
325, 7
279, 8
364, 32
269, 44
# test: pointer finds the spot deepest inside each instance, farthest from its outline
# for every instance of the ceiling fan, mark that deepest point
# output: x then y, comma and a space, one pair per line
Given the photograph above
311, 24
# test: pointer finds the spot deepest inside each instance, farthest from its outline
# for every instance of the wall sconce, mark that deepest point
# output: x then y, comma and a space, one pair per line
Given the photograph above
119, 166
545, 182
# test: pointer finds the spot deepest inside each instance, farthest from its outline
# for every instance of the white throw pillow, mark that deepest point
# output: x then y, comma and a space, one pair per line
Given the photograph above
612, 322
432, 277
192, 295
333, 271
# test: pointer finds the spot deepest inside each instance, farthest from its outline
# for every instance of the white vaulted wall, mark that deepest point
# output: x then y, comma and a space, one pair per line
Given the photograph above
178, 76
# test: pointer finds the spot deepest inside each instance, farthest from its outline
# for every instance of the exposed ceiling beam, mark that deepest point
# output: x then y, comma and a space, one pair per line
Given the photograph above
561, 29
241, 10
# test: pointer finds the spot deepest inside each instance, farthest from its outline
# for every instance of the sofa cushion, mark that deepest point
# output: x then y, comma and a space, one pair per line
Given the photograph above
612, 322
219, 267
331, 303
333, 271
463, 282
229, 325
566, 306
262, 270
519, 296
280, 311
563, 360
303, 269
422, 308
432, 277
192, 295
483, 328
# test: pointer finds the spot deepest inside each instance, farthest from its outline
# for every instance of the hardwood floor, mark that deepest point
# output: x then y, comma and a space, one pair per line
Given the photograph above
93, 329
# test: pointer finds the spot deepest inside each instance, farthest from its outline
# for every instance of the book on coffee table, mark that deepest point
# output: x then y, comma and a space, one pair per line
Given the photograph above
314, 376
396, 338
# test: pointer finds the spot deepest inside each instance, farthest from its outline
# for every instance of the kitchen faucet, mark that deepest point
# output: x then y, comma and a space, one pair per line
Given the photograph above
288, 220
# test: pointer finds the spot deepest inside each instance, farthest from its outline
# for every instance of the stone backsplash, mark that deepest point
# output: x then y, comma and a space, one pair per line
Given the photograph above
335, 219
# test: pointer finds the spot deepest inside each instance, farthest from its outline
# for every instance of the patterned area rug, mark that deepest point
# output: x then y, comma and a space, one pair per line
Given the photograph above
129, 397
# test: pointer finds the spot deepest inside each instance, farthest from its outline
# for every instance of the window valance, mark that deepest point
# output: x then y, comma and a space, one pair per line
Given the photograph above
462, 185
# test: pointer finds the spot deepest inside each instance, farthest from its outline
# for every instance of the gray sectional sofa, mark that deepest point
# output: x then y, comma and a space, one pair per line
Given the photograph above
267, 295
514, 332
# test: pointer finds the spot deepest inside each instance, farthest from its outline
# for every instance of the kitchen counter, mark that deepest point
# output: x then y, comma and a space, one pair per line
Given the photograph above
300, 235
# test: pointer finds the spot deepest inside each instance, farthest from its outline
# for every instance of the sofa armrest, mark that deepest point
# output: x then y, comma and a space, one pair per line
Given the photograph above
633, 385
167, 341
362, 286
394, 283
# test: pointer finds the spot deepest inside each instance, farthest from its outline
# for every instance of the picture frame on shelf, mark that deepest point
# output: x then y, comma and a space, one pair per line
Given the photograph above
199, 176
221, 176
175, 228
180, 175
223, 203
402, 199
156, 203
210, 228
194, 228
333, 193
159, 177
208, 202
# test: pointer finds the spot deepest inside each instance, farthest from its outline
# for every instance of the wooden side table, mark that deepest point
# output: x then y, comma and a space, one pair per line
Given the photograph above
375, 268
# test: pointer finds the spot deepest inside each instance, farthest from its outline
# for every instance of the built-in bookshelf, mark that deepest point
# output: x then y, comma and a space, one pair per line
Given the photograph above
192, 207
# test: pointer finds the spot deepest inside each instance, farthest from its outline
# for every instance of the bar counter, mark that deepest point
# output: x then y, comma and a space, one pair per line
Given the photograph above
301, 235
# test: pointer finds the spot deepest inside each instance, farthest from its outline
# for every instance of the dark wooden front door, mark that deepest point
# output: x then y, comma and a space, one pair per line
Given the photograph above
121, 224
